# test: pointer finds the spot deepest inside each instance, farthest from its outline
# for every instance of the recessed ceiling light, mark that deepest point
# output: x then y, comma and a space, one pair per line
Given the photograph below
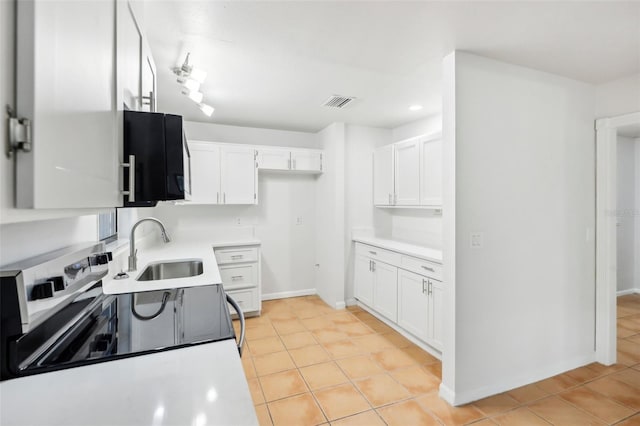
415, 107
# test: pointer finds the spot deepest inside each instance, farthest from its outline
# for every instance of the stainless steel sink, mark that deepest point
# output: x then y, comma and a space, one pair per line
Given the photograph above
168, 270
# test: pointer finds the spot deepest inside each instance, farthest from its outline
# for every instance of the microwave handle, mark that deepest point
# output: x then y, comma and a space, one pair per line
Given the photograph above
131, 192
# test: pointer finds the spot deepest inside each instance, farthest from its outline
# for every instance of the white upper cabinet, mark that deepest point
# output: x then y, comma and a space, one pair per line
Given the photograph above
130, 42
66, 86
274, 159
148, 80
306, 160
205, 173
407, 173
383, 188
222, 174
300, 160
431, 171
238, 175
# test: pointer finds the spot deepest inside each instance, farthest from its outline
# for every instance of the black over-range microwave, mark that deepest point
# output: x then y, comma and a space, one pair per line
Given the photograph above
157, 157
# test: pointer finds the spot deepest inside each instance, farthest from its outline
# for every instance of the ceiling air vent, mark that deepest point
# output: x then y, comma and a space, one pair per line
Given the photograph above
336, 101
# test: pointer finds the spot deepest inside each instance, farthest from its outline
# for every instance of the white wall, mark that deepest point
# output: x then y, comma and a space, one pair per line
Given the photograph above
361, 215
637, 217
618, 97
330, 218
424, 126
626, 206
236, 134
519, 152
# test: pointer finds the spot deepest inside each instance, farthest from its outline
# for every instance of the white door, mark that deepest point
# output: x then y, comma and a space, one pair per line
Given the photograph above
205, 173
413, 304
306, 160
436, 304
363, 280
198, 318
274, 159
238, 175
407, 173
431, 172
66, 86
385, 297
383, 176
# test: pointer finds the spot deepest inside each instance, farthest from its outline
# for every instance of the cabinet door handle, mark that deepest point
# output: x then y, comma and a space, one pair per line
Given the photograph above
428, 269
424, 290
369, 266
430, 290
373, 265
373, 253
236, 277
224, 198
236, 256
131, 192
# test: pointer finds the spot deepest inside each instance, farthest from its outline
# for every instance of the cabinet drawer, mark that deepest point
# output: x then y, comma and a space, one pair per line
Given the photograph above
376, 253
239, 275
247, 299
236, 255
422, 267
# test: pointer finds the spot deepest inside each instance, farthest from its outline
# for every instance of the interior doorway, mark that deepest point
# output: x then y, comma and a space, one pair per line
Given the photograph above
616, 218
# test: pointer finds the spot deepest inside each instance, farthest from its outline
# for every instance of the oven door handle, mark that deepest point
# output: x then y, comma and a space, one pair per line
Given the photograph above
241, 317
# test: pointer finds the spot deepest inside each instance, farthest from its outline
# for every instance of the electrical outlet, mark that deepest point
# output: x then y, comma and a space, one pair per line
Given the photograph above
299, 220
238, 221
477, 240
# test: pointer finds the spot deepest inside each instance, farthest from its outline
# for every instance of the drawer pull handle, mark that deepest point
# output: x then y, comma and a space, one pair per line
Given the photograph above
236, 277
237, 256
428, 269
373, 253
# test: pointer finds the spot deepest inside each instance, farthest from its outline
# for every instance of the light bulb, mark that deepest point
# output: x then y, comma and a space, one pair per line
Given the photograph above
198, 75
206, 109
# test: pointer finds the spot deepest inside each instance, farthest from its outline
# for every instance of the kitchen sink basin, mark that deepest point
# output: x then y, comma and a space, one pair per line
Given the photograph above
168, 270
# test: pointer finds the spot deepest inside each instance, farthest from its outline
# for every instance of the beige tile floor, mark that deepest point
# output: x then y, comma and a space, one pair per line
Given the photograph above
307, 364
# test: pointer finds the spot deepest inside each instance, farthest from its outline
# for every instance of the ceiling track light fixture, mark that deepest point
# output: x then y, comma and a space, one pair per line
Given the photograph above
190, 79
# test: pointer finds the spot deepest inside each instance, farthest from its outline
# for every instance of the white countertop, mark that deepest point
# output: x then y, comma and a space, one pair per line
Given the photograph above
426, 253
199, 385
176, 250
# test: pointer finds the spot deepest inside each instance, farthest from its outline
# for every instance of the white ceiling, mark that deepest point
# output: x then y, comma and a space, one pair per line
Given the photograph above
272, 64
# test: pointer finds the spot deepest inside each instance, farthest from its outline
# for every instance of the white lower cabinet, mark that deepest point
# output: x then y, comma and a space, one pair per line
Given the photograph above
363, 280
385, 288
413, 304
413, 301
240, 272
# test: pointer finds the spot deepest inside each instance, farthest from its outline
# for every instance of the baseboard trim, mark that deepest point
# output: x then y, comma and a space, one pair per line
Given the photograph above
628, 291
351, 302
461, 398
341, 305
424, 346
286, 294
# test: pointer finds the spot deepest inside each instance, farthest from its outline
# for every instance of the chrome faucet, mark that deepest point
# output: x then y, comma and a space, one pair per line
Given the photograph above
133, 252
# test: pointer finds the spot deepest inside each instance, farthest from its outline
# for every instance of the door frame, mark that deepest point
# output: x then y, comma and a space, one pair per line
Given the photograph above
606, 239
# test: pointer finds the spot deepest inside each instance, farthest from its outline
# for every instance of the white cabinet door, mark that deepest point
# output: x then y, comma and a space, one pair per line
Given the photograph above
198, 317
274, 159
436, 305
238, 175
431, 172
383, 189
148, 77
407, 173
413, 304
363, 280
385, 297
65, 75
205, 173
129, 57
306, 160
